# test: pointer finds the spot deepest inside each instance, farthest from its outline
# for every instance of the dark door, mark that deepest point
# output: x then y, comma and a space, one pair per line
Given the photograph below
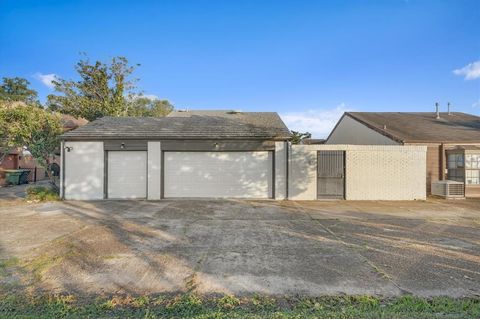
331, 175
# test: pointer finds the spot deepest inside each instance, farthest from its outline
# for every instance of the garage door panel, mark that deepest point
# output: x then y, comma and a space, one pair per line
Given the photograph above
127, 174
218, 174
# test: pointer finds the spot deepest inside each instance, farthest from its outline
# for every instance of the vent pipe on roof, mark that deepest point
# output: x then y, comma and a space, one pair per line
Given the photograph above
448, 108
437, 111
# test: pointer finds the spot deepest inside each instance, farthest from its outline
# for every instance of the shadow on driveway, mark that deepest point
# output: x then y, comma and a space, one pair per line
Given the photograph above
243, 247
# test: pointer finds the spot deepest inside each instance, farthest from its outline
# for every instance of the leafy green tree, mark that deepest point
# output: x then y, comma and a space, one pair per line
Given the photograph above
32, 127
103, 90
297, 137
17, 90
146, 106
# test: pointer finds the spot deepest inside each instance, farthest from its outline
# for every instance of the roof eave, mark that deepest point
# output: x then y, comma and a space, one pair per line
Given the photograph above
157, 138
442, 142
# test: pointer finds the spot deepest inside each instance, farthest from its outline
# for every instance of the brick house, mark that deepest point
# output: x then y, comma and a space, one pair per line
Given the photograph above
452, 140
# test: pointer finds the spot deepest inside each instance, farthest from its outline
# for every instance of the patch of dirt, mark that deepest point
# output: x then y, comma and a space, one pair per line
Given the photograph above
96, 259
12, 202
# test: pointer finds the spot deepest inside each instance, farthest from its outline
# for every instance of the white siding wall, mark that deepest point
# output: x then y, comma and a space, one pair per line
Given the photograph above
154, 170
350, 131
62, 160
84, 170
280, 170
372, 172
302, 183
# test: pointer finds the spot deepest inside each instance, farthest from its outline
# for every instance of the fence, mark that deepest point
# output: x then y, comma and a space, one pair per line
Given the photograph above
36, 174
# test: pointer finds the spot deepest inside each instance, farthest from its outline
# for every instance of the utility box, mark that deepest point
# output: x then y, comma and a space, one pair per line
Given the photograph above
448, 189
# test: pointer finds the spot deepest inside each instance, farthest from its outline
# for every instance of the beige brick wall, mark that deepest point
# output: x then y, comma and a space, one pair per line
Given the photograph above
372, 172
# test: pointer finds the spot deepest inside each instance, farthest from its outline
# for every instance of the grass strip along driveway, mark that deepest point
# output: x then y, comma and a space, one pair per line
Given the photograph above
188, 259
229, 306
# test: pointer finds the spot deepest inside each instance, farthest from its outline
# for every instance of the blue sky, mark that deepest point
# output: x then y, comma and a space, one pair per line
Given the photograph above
307, 60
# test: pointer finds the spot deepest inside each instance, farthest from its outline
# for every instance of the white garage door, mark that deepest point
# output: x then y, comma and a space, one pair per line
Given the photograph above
127, 174
218, 174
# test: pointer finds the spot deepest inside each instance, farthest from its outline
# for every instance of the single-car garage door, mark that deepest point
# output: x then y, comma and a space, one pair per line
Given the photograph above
218, 174
127, 174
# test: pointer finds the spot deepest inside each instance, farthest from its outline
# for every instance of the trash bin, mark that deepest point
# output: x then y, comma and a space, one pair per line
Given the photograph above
16, 176
12, 176
24, 176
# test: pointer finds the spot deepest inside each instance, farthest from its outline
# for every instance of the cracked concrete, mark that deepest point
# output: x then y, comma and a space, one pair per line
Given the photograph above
242, 247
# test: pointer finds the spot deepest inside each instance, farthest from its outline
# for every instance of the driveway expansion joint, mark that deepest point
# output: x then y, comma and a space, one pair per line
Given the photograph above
376, 268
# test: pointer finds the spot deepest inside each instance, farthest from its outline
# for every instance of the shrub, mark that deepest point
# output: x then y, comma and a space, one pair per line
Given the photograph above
41, 194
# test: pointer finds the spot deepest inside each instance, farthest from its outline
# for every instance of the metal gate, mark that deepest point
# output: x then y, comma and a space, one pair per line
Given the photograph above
330, 175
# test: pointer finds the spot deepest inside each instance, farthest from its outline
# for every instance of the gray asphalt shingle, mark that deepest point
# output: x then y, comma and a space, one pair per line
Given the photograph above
187, 125
412, 127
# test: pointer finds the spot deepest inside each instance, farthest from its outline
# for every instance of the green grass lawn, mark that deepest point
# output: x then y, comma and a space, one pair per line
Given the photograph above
193, 306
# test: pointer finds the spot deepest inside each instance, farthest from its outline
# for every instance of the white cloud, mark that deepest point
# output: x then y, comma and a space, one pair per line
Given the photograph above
46, 79
470, 71
476, 104
319, 122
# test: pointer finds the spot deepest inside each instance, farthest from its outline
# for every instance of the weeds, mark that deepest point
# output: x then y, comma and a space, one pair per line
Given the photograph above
262, 302
187, 304
228, 302
6, 264
228, 306
42, 263
41, 194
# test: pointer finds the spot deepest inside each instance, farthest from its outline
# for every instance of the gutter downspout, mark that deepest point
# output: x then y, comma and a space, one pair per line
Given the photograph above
442, 161
287, 169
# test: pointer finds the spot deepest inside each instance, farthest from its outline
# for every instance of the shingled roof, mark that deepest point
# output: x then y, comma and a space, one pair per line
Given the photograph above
422, 127
186, 125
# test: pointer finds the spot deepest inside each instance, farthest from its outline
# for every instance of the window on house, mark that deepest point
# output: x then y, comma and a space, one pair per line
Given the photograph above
473, 176
456, 175
472, 161
455, 167
455, 161
472, 169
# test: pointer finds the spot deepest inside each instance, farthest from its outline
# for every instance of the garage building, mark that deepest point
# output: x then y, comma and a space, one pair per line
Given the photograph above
188, 154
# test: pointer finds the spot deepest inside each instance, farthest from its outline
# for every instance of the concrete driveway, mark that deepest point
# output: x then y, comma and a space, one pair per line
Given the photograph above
241, 247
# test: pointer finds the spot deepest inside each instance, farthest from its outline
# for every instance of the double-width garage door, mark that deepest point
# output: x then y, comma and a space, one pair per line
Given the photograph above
127, 174
218, 174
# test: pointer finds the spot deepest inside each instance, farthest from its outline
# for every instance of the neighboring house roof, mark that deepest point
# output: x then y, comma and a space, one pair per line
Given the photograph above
313, 141
422, 127
187, 125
